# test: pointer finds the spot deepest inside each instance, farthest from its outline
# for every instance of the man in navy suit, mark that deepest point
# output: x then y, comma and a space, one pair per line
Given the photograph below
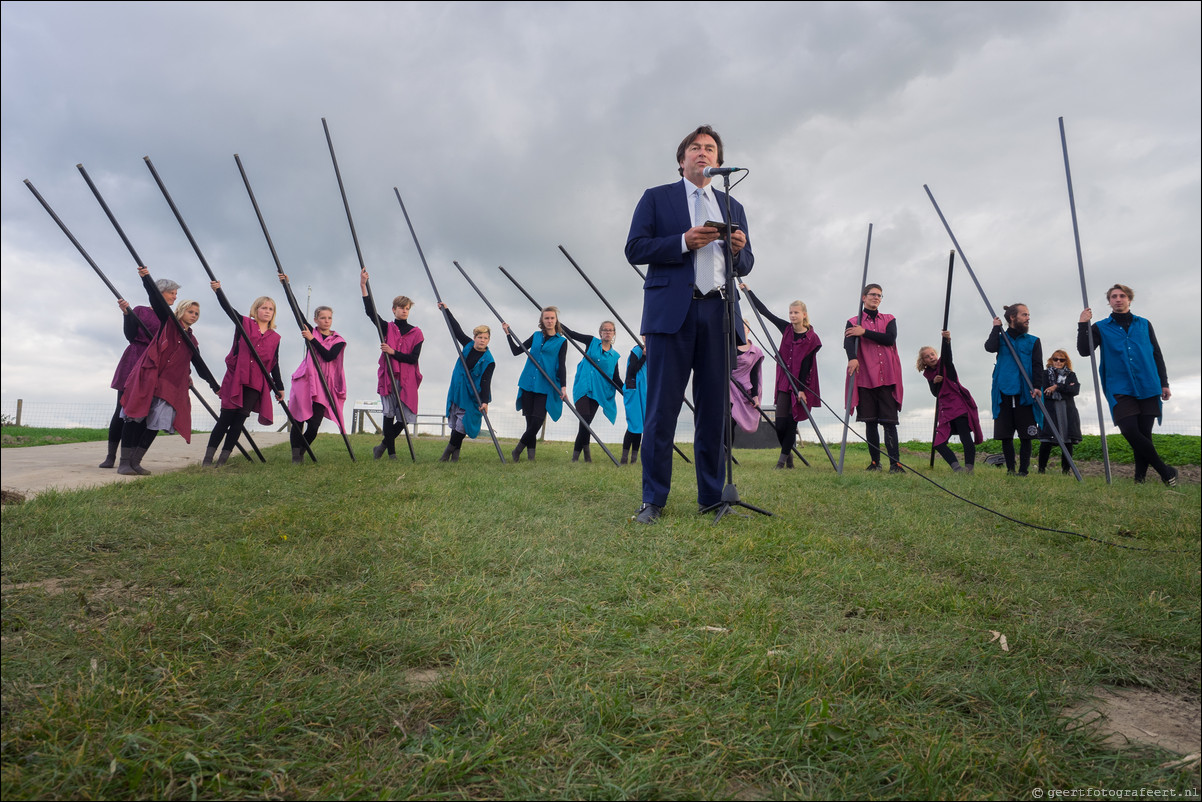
683, 316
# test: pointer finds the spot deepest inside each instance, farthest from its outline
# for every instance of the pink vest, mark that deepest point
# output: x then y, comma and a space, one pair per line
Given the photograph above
408, 376
880, 365
241, 371
306, 387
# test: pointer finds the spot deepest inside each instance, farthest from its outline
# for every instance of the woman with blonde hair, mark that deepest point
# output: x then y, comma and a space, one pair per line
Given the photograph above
244, 389
307, 399
798, 349
156, 391
1060, 399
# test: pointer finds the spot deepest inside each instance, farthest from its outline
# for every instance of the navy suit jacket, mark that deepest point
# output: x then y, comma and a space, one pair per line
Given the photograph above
661, 217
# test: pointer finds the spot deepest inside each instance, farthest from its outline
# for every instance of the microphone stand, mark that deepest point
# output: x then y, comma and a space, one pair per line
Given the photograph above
730, 494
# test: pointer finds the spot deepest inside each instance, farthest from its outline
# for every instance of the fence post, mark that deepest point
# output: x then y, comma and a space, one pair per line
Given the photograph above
20, 402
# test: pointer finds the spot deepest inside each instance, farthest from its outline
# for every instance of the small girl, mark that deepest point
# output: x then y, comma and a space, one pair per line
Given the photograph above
957, 411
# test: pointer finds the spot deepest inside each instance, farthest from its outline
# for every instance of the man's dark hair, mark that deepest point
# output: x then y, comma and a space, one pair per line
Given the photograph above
688, 140
870, 287
1010, 314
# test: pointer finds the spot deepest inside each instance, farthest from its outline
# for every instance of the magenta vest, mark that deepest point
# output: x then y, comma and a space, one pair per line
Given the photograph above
880, 365
241, 371
163, 371
793, 353
306, 387
408, 376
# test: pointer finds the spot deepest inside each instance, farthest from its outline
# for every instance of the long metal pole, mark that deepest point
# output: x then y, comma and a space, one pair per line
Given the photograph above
446, 317
1093, 357
1005, 338
239, 328
851, 379
795, 382
393, 380
117, 295
947, 309
536, 364
310, 348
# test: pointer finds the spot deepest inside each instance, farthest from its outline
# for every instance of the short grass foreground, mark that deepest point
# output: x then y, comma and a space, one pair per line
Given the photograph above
438, 630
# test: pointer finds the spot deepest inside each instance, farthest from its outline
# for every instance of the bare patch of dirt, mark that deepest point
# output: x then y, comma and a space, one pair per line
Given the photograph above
422, 677
11, 497
52, 587
1137, 716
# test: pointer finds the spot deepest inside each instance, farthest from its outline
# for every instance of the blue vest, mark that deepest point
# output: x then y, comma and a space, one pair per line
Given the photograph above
1006, 378
546, 351
1128, 366
592, 384
460, 392
635, 401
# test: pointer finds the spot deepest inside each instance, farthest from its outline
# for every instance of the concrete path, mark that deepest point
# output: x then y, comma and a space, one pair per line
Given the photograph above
29, 471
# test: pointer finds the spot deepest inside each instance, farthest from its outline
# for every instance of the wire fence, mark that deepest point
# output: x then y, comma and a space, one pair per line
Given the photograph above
507, 422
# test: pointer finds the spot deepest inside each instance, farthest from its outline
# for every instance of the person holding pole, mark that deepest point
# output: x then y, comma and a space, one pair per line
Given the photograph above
402, 347
1134, 377
956, 407
462, 411
1014, 409
156, 391
874, 376
139, 337
536, 396
592, 390
244, 389
673, 232
799, 346
307, 399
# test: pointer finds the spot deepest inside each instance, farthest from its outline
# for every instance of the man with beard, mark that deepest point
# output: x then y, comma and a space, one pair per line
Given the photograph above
1014, 408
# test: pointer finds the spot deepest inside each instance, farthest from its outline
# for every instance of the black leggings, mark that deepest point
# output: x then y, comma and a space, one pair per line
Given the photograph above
134, 434
116, 424
1045, 453
457, 439
961, 429
1137, 429
587, 408
230, 421
297, 438
534, 407
632, 440
786, 427
1024, 453
892, 447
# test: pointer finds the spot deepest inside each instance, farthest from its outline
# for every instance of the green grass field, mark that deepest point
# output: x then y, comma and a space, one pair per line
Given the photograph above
430, 630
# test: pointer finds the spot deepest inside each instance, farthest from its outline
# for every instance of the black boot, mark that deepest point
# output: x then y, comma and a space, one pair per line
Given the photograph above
298, 456
576, 455
782, 462
210, 452
223, 458
516, 454
626, 455
446, 453
588, 455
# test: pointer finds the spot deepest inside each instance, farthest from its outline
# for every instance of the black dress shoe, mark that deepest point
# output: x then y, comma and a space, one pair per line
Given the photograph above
647, 514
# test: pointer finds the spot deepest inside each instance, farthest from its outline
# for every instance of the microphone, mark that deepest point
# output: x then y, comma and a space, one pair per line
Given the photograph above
710, 172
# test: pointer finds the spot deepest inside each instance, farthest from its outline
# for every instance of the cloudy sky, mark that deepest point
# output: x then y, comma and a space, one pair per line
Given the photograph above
513, 128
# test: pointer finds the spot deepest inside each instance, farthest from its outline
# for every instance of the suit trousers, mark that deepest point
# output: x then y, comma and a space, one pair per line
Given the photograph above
696, 348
